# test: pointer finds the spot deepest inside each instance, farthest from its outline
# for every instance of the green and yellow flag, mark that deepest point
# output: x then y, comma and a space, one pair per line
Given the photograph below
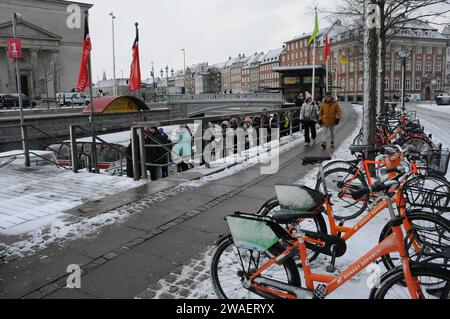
316, 30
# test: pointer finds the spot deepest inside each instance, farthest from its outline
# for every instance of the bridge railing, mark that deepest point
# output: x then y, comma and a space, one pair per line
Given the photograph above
239, 97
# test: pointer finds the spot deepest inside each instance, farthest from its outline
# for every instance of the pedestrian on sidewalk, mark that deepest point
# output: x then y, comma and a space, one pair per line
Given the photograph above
309, 116
330, 116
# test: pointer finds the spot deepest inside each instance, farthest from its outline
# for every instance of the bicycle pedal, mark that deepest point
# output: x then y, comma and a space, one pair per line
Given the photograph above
331, 269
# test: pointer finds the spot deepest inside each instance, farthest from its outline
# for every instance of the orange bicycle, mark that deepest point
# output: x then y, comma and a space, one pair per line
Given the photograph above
257, 260
433, 229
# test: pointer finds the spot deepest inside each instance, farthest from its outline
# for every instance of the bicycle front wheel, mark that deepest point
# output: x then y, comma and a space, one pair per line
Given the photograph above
231, 267
434, 283
340, 182
432, 235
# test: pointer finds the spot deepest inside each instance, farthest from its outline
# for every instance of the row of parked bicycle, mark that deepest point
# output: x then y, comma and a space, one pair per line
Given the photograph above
265, 253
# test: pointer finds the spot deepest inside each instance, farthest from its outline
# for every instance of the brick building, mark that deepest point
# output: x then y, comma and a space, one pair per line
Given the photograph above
268, 78
250, 73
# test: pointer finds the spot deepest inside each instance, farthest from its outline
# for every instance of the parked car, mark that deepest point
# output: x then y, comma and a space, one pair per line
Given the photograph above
443, 99
11, 100
72, 98
413, 98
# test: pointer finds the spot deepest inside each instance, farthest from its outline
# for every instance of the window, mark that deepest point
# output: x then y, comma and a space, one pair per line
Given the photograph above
419, 50
419, 66
418, 85
429, 50
408, 84
438, 66
429, 64
408, 65
361, 84
351, 85
387, 84
343, 68
352, 67
321, 58
397, 84
398, 65
388, 65
361, 65
438, 84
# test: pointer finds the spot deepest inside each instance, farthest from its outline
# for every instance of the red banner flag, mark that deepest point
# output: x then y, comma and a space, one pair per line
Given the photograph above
83, 76
135, 76
327, 49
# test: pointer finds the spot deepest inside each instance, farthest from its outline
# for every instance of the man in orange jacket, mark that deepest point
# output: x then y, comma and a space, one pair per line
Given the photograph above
330, 116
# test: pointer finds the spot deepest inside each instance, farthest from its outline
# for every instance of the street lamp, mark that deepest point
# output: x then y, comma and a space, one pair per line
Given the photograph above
404, 55
113, 17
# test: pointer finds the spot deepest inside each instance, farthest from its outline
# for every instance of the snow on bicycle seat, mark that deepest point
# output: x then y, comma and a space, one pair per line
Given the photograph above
298, 198
309, 160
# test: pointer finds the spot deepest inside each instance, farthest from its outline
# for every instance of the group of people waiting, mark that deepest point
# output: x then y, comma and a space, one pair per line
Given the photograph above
158, 149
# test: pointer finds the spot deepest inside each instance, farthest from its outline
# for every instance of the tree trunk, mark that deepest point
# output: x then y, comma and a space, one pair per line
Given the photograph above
370, 79
381, 59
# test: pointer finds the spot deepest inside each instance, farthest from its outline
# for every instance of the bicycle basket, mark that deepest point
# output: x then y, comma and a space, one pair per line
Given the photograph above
299, 198
251, 232
437, 162
434, 198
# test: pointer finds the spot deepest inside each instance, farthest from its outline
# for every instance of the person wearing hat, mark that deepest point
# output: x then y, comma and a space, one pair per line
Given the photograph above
309, 115
330, 116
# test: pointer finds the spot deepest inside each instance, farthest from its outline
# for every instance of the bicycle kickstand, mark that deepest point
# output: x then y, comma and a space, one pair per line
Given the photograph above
331, 268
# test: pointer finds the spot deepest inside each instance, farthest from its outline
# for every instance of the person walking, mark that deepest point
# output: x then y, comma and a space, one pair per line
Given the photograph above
309, 116
330, 117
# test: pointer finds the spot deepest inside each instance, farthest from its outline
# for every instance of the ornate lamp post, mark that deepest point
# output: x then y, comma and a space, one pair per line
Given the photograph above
404, 55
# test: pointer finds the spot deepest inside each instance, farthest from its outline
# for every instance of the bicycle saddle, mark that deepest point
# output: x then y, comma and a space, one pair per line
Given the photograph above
312, 160
360, 148
286, 216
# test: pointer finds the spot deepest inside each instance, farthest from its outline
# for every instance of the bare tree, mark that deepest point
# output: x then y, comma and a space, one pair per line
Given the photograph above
49, 69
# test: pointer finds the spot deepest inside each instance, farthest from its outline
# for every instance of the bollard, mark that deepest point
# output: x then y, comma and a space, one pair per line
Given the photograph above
74, 149
135, 154
143, 156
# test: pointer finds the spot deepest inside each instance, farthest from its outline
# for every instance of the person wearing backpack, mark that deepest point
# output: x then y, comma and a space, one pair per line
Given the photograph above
309, 116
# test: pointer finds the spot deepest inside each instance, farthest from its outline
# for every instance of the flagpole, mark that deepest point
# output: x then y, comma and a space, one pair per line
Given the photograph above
314, 72
91, 119
313, 93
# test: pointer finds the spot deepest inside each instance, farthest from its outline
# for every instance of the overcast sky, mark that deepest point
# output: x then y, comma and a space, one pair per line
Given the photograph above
210, 30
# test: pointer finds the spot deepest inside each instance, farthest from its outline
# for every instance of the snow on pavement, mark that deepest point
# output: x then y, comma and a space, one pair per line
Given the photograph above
30, 198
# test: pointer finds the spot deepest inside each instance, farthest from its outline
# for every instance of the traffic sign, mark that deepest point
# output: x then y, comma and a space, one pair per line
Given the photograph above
14, 48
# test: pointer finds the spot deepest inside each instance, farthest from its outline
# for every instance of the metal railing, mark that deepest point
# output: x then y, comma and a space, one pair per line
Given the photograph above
239, 97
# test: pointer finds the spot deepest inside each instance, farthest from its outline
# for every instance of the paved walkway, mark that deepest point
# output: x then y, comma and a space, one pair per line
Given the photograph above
123, 260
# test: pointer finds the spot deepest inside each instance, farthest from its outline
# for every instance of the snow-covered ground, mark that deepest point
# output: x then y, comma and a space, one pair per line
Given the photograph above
32, 198
433, 106
52, 226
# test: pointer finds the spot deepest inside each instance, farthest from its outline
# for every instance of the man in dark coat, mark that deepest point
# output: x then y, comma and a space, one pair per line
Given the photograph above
155, 154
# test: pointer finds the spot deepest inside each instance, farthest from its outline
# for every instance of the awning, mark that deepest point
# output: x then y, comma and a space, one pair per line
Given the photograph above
117, 104
299, 69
